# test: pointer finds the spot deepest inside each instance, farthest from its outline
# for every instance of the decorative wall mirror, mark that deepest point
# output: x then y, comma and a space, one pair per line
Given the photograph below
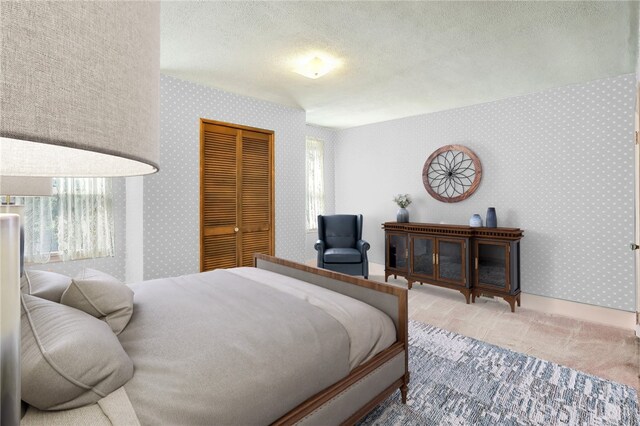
452, 173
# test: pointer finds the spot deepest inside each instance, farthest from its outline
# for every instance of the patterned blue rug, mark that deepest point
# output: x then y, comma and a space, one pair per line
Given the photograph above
457, 380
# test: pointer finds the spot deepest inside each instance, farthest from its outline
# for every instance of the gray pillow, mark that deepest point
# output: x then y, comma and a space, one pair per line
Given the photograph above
69, 359
24, 283
44, 284
102, 296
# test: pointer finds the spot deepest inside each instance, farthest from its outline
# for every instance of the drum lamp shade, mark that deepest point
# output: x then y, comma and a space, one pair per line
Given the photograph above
79, 88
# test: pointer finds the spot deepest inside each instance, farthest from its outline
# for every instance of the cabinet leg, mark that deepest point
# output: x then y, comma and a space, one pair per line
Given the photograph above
395, 277
403, 391
410, 284
466, 296
473, 297
518, 300
386, 278
512, 303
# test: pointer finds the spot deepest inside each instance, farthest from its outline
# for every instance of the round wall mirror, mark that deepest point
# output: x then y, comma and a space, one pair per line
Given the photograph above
452, 173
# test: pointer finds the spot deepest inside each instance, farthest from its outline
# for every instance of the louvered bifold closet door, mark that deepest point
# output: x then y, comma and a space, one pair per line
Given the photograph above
256, 192
218, 200
236, 194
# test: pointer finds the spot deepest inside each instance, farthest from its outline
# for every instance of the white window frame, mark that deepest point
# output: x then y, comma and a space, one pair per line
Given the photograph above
88, 230
314, 181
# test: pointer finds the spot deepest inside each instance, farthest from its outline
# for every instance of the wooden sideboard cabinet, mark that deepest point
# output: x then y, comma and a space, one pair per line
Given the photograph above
474, 261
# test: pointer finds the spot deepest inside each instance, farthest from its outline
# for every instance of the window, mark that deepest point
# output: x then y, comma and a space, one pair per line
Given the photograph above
314, 181
75, 223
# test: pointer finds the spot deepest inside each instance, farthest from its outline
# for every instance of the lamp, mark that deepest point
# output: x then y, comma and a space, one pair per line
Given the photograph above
79, 96
315, 66
24, 187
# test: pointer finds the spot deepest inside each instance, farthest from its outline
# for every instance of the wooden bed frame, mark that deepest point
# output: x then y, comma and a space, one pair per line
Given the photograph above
324, 398
344, 402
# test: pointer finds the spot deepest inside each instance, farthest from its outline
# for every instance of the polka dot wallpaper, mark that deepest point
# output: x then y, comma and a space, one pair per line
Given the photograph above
558, 164
171, 196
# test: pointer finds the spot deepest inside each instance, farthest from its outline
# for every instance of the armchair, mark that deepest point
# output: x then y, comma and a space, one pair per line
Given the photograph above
340, 245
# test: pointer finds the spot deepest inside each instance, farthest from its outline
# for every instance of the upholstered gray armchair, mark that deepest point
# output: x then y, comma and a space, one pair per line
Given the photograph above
340, 245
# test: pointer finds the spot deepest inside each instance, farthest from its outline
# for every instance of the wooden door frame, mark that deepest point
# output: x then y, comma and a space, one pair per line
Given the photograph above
271, 133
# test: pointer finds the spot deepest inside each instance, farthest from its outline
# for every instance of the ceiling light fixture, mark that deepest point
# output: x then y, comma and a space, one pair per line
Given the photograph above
315, 65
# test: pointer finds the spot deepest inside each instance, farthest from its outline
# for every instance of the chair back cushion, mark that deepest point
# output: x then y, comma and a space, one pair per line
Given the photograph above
340, 230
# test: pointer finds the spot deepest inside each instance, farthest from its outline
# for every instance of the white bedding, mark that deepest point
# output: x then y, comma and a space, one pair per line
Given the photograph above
370, 330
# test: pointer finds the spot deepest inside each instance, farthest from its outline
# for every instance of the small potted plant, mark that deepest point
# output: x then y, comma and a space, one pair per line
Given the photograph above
402, 200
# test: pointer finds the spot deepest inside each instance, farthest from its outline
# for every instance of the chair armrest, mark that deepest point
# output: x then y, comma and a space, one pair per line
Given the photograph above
363, 246
319, 246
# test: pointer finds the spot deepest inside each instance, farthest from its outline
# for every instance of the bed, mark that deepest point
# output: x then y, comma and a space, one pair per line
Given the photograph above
280, 343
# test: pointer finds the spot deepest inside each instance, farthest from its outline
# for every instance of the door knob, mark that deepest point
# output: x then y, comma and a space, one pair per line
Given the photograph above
236, 229
634, 246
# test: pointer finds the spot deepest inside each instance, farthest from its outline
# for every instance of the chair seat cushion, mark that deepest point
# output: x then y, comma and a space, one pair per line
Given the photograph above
342, 255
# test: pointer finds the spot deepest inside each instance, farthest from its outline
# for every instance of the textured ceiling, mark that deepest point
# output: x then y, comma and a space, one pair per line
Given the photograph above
399, 58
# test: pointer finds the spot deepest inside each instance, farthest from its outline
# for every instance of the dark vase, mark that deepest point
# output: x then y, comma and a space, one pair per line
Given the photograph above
403, 215
492, 220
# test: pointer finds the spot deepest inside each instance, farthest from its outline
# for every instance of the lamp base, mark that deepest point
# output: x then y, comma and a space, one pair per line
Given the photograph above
19, 210
9, 319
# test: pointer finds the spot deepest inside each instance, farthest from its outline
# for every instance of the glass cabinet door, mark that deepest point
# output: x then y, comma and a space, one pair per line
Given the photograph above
422, 256
450, 259
397, 251
492, 269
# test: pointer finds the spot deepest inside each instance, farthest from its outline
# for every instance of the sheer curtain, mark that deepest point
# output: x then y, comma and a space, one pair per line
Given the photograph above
314, 181
76, 223
40, 230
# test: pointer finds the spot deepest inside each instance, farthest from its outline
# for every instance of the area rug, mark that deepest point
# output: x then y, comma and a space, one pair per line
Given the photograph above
457, 380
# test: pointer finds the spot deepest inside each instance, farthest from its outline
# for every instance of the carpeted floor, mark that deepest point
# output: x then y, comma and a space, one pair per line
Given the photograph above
457, 380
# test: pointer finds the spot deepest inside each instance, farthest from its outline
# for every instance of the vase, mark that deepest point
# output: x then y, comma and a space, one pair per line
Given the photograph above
402, 215
475, 221
492, 220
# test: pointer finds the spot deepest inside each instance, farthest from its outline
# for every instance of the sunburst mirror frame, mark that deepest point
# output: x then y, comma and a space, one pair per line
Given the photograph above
452, 173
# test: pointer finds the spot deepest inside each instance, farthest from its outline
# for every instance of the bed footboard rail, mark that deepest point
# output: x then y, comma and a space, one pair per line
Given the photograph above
388, 370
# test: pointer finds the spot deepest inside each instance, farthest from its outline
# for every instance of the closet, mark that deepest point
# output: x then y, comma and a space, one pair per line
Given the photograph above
236, 194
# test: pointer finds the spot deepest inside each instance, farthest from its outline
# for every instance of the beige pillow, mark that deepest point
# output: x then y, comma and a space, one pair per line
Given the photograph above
102, 296
44, 284
24, 283
69, 359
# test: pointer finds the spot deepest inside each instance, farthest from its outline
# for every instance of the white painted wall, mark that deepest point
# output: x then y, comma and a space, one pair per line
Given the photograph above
558, 164
134, 230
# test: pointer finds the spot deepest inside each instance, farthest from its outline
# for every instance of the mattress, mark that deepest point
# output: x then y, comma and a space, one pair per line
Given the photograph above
242, 346
370, 331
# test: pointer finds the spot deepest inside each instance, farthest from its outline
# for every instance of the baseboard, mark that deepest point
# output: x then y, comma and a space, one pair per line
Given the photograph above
580, 311
549, 305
